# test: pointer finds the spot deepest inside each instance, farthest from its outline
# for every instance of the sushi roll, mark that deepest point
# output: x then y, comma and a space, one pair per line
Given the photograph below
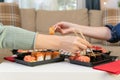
52, 30
38, 55
55, 54
48, 55
29, 58
83, 58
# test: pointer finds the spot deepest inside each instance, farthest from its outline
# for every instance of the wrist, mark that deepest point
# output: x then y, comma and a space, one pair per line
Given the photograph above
76, 27
47, 42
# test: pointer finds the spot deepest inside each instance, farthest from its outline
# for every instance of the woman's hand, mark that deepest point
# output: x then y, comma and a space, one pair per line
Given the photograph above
73, 44
65, 27
68, 43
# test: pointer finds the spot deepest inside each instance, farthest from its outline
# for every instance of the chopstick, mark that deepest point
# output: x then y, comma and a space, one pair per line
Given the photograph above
88, 48
84, 39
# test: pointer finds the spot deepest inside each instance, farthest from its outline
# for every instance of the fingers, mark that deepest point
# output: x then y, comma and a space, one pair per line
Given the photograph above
57, 28
80, 45
74, 44
63, 28
54, 29
60, 30
85, 42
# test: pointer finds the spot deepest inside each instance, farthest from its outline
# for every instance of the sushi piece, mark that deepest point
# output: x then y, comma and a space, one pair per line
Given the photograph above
29, 58
55, 54
79, 57
52, 30
48, 55
103, 50
38, 55
72, 57
83, 58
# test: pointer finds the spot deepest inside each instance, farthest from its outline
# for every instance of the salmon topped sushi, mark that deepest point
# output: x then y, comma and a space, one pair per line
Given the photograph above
48, 55
38, 55
55, 54
52, 30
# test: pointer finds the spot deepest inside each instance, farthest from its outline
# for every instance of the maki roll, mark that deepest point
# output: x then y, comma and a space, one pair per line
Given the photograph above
48, 55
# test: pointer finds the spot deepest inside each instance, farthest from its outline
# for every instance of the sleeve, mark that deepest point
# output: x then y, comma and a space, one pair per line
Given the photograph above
16, 38
115, 33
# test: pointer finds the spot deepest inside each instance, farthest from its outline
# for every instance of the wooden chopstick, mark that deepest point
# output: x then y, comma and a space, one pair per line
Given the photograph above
84, 39
78, 36
88, 48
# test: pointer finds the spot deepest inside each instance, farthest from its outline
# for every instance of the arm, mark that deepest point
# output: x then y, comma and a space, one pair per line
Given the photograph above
68, 43
103, 33
18, 38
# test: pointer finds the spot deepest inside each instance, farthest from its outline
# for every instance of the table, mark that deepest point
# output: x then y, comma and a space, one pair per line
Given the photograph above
53, 71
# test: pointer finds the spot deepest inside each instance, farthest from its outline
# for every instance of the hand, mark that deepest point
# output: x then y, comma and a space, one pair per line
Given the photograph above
65, 27
73, 44
68, 43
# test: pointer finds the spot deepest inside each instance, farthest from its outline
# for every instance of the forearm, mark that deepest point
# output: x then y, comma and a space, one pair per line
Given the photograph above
95, 32
68, 43
47, 41
18, 38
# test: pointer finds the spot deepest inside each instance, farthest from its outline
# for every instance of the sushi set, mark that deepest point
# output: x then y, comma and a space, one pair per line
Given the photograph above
101, 56
91, 61
34, 58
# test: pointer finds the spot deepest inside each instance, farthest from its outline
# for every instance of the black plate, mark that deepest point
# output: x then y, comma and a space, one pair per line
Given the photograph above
91, 64
20, 57
39, 62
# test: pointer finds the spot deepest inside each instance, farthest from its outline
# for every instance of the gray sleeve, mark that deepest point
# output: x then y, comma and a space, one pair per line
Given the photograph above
16, 38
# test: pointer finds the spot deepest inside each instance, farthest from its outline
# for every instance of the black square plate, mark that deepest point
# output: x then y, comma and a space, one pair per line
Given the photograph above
91, 64
39, 62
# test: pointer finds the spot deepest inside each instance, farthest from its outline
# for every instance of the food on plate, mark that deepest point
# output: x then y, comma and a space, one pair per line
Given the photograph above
89, 57
22, 51
38, 55
72, 57
79, 57
29, 58
48, 55
52, 30
83, 58
103, 50
55, 54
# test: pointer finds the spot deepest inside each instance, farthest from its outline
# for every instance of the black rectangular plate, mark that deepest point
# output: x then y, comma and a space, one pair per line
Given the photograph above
39, 62
91, 64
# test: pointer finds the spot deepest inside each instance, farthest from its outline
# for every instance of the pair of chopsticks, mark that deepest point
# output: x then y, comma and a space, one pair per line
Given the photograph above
75, 32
